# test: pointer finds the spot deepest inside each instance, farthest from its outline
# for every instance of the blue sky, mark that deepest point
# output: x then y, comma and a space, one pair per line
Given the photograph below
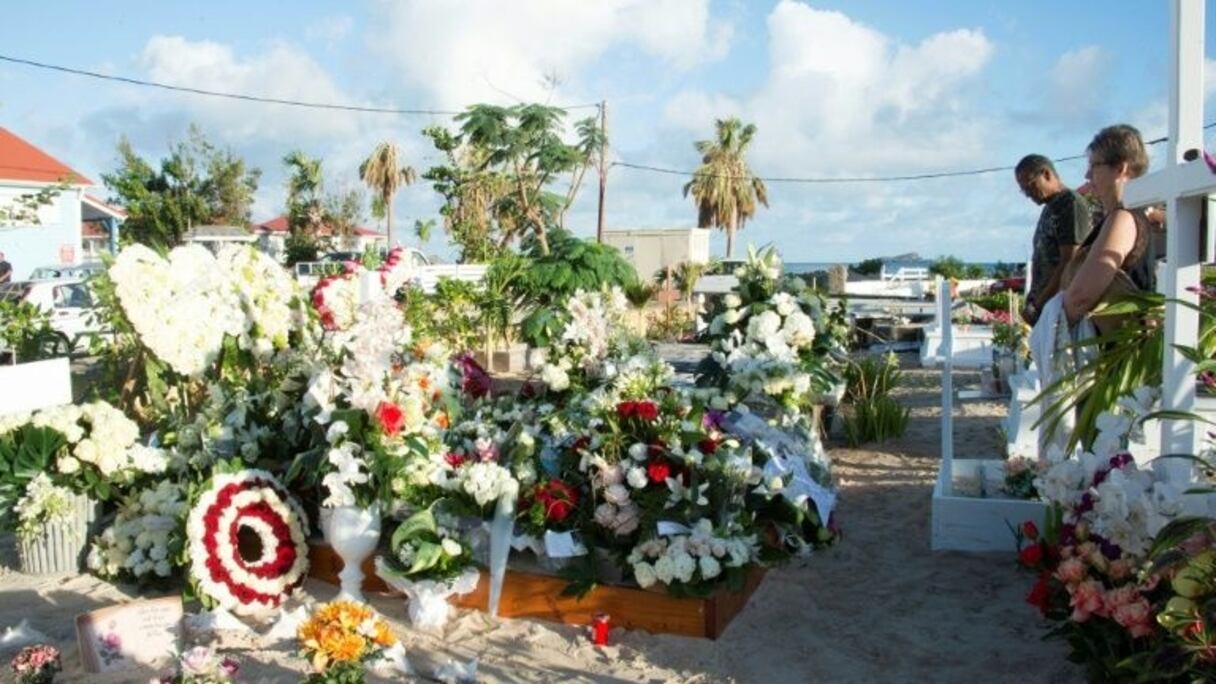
859, 88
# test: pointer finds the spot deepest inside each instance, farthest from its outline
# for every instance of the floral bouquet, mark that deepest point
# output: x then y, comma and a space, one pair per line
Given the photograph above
692, 561
1020, 474
201, 665
593, 332
428, 562
762, 344
147, 538
341, 640
1107, 516
36, 665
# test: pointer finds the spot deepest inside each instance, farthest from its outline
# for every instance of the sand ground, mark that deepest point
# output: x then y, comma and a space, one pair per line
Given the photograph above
878, 606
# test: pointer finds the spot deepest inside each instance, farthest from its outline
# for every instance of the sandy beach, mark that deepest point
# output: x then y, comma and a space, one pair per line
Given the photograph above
878, 606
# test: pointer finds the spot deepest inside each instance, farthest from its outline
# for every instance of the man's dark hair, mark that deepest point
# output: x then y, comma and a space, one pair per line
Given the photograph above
1034, 163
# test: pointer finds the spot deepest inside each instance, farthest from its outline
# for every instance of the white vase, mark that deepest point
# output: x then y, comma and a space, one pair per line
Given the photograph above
60, 547
353, 533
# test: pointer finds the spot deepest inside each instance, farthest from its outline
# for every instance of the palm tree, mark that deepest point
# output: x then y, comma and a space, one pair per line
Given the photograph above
384, 174
723, 188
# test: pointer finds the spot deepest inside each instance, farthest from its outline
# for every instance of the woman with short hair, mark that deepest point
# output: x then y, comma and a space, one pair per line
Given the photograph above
1120, 249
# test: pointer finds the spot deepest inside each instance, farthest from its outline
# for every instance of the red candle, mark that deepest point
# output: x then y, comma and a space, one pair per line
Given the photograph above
599, 629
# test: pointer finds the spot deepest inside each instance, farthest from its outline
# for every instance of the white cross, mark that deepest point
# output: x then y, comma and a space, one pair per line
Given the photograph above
1183, 186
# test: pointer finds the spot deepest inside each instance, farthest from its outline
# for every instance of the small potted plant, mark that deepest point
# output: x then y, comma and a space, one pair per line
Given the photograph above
36, 665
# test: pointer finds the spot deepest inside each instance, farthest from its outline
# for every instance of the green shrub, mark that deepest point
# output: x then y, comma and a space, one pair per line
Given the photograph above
875, 416
26, 332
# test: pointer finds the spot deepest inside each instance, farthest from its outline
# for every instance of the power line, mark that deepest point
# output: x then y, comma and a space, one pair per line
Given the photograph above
858, 179
241, 96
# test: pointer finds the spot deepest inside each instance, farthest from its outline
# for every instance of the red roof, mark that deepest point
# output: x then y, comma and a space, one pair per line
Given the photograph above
278, 224
104, 206
21, 161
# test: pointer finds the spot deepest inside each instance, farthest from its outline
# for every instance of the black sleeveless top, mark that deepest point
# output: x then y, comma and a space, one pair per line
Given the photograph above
1140, 264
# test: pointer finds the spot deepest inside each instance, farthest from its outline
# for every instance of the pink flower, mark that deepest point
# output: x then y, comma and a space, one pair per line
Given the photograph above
1071, 571
1086, 599
1136, 616
1118, 569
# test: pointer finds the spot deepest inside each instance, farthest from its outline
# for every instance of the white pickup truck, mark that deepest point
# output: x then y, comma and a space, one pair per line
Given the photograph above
424, 273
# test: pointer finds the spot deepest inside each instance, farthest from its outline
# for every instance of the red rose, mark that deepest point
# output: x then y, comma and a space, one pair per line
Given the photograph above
391, 417
558, 500
626, 409
454, 459
1031, 556
658, 471
647, 410
1040, 593
707, 446
1030, 530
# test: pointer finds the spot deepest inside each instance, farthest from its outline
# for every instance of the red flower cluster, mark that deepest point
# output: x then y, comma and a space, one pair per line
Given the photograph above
557, 498
281, 558
390, 417
658, 471
318, 303
642, 410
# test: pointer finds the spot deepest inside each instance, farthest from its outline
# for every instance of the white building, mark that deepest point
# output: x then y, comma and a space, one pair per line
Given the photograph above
651, 250
71, 228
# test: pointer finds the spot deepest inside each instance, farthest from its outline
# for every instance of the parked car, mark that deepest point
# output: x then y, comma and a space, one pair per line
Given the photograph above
81, 271
68, 301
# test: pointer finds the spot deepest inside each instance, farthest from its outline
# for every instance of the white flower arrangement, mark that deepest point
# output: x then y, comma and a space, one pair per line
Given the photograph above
146, 536
181, 307
252, 500
1106, 490
99, 437
594, 332
701, 555
43, 502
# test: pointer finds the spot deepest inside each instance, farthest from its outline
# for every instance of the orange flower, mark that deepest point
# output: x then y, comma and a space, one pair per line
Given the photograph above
424, 383
384, 635
344, 648
442, 420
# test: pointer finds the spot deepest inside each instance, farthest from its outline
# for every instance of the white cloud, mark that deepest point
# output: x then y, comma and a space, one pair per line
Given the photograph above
330, 30
281, 72
843, 98
1078, 87
463, 52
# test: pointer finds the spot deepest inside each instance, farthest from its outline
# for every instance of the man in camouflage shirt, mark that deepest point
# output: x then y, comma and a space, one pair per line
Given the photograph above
1063, 225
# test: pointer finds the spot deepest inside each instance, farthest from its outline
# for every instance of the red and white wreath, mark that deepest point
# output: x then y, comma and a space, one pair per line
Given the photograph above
252, 501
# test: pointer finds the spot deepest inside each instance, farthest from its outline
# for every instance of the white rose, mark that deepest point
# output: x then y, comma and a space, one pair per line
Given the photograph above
710, 568
616, 494
68, 465
336, 431
644, 574
684, 566
637, 477
732, 301
639, 451
451, 547
731, 316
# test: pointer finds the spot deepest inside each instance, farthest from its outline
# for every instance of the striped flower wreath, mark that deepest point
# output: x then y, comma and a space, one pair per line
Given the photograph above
253, 502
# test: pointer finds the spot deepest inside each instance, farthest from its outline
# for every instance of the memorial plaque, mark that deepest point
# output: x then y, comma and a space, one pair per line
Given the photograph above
134, 635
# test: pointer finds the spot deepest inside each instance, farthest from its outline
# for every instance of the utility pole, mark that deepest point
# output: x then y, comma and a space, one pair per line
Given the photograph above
599, 226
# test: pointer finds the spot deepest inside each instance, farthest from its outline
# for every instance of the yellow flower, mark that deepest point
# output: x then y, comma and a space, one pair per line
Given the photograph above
344, 647
384, 635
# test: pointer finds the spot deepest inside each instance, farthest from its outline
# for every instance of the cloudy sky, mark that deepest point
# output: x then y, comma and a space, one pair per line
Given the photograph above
837, 89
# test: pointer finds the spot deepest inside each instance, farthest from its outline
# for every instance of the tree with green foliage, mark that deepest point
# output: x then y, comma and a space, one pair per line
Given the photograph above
949, 267
571, 264
502, 165
723, 187
868, 267
384, 174
315, 217
197, 184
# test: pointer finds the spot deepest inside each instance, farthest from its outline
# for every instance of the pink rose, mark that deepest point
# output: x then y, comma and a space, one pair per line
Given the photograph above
1116, 598
1118, 569
1136, 616
1086, 599
1071, 571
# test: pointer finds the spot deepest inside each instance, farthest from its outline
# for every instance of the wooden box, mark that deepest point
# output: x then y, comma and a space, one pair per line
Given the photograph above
534, 596
972, 523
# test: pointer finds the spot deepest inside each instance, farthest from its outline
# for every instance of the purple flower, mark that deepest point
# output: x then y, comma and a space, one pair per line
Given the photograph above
712, 420
1087, 503
229, 666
